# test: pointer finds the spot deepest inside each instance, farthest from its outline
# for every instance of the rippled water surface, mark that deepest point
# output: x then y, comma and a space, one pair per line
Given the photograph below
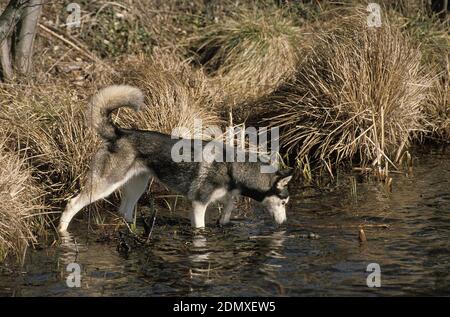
317, 253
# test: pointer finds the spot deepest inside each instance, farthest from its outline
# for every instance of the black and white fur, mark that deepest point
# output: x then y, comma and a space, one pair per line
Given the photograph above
129, 158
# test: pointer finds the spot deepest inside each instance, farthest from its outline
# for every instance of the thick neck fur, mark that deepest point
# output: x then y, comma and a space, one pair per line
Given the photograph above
248, 179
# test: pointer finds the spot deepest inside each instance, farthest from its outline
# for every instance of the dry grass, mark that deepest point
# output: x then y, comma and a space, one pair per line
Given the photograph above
250, 53
175, 93
437, 110
20, 197
430, 33
359, 95
107, 28
49, 122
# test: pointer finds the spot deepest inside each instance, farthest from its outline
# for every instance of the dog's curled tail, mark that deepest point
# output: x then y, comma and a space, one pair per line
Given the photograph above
106, 101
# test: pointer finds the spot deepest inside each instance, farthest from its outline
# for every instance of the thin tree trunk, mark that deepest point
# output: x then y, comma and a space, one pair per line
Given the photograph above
10, 17
5, 58
8, 20
27, 34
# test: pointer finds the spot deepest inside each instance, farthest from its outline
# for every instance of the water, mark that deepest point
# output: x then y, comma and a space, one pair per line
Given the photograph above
254, 258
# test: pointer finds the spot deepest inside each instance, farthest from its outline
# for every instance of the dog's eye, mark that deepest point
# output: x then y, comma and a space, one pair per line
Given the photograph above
283, 202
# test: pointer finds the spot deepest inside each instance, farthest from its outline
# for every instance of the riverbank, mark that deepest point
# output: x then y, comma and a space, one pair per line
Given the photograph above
343, 93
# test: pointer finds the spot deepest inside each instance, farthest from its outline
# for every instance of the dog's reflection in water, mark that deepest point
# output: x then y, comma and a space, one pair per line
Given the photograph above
199, 251
276, 244
69, 249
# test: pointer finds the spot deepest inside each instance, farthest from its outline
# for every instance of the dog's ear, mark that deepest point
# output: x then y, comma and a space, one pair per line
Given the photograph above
285, 177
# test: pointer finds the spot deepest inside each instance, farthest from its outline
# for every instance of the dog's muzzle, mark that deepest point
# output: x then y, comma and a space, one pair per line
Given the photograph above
280, 216
276, 208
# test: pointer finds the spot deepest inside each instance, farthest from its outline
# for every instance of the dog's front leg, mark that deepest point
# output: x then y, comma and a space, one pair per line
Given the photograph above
198, 214
227, 210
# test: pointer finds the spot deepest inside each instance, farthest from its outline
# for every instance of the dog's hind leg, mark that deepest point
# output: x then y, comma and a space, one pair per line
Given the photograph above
99, 186
131, 192
101, 190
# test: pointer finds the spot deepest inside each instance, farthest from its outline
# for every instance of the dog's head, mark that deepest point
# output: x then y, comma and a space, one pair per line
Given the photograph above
278, 196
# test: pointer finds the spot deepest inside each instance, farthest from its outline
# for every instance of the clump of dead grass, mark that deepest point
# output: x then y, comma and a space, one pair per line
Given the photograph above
430, 32
437, 110
250, 53
20, 203
175, 94
49, 121
358, 95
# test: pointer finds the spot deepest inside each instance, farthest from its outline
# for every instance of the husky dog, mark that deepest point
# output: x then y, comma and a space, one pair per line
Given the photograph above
129, 158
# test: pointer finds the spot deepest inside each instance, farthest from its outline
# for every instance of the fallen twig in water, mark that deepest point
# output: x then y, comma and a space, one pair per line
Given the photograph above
153, 225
